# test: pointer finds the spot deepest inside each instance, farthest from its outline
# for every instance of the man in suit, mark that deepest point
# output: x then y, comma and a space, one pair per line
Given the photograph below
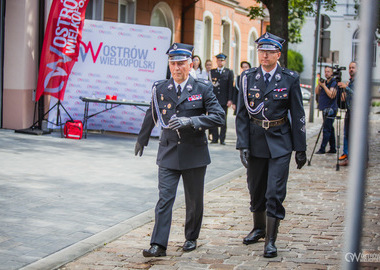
185, 107
266, 137
222, 79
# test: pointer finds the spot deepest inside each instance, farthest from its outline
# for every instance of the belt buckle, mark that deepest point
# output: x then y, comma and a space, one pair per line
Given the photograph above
265, 124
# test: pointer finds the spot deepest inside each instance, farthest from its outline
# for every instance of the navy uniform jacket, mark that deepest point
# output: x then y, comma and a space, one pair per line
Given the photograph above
282, 95
223, 85
191, 150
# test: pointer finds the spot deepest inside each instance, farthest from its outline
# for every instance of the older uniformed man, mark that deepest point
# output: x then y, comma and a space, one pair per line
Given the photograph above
266, 137
223, 80
185, 107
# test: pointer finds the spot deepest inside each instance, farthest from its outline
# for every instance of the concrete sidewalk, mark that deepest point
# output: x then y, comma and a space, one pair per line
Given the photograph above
310, 237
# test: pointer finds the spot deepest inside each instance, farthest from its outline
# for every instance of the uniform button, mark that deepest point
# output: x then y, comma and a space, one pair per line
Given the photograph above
177, 111
179, 142
266, 98
200, 128
266, 109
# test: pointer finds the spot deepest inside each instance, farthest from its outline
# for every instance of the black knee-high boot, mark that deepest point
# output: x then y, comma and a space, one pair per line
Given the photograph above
258, 230
270, 250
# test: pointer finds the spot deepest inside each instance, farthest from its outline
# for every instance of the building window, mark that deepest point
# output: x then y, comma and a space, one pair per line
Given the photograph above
127, 11
252, 52
236, 48
162, 15
94, 10
355, 47
226, 40
207, 38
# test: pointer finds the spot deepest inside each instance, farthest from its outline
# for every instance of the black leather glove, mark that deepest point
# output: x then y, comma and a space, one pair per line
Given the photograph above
139, 149
300, 159
244, 154
180, 122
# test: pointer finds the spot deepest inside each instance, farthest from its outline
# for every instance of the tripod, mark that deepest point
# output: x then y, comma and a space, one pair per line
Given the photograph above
59, 119
338, 126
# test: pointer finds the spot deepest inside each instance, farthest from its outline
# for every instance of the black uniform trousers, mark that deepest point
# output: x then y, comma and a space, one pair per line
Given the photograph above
193, 183
215, 131
267, 179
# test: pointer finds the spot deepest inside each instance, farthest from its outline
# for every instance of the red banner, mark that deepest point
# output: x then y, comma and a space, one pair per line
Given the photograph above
61, 46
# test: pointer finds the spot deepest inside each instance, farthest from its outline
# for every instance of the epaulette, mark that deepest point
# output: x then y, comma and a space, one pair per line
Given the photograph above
289, 72
203, 81
159, 82
251, 70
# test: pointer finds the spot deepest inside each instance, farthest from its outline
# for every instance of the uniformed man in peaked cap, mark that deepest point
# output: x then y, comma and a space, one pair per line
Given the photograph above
266, 137
185, 107
223, 80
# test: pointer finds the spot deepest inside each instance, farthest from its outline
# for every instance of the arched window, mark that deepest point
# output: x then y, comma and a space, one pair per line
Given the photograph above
207, 38
162, 15
226, 40
252, 52
355, 47
236, 48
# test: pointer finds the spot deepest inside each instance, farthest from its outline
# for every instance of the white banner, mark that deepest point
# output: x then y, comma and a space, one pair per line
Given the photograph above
115, 59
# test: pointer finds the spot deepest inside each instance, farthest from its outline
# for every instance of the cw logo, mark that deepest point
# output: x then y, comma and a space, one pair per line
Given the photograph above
88, 47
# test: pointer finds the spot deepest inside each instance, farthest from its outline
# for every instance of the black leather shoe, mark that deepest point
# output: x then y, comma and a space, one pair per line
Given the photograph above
320, 152
154, 251
254, 236
189, 245
332, 151
222, 143
214, 142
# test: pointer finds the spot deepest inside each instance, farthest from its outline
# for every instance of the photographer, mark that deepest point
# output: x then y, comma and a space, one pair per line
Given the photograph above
347, 91
326, 89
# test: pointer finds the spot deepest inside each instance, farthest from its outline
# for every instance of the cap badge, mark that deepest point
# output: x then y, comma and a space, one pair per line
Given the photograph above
175, 47
266, 35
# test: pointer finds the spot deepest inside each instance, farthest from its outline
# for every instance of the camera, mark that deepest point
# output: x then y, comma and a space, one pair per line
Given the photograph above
321, 80
337, 74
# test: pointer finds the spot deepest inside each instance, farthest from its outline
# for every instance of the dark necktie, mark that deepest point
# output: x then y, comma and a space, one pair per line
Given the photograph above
179, 91
267, 76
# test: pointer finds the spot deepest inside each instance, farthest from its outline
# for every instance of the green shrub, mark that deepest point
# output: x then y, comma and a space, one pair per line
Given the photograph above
295, 61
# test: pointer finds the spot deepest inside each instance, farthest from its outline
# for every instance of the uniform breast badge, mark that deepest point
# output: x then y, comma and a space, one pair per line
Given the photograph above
162, 96
163, 111
252, 104
169, 105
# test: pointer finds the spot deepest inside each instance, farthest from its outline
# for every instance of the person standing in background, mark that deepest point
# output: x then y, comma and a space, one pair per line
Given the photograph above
326, 90
197, 66
244, 65
347, 90
223, 80
208, 67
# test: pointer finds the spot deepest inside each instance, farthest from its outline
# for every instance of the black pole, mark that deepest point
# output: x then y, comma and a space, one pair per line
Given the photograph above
41, 31
2, 21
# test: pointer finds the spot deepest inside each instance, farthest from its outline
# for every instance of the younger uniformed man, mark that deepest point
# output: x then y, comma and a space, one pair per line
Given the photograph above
266, 137
223, 80
185, 107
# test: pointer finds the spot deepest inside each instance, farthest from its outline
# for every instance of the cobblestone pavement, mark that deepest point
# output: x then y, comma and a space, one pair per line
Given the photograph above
310, 237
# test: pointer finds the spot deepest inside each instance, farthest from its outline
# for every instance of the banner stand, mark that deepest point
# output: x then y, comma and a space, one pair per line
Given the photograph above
36, 131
